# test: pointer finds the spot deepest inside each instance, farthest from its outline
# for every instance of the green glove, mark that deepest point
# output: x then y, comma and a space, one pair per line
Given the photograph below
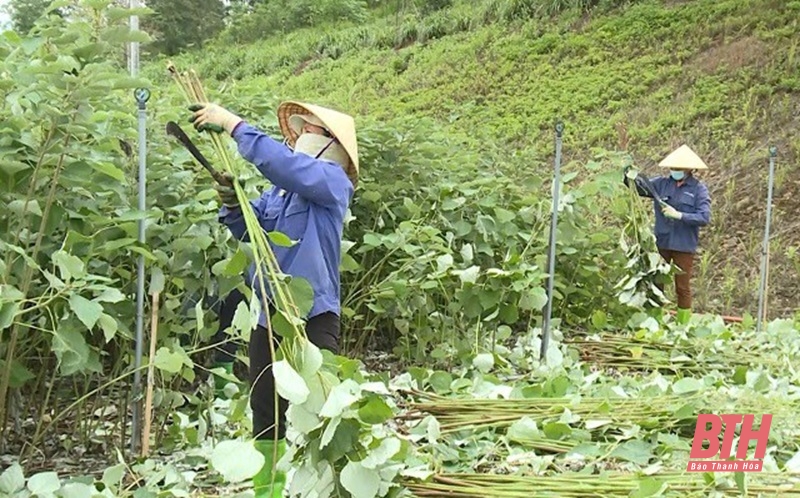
211, 117
671, 212
227, 193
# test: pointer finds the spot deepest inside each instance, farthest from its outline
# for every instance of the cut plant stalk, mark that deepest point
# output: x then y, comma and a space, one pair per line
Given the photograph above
148, 405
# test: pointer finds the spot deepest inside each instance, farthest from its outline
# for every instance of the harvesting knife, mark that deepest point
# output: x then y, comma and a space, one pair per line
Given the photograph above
175, 130
645, 183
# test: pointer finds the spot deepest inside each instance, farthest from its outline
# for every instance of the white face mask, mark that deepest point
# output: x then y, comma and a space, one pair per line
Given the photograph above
312, 144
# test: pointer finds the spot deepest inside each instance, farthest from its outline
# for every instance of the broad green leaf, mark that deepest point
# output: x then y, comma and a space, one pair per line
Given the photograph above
289, 383
236, 460
241, 319
467, 253
280, 239
793, 465
71, 350
19, 373
282, 326
301, 419
523, 429
109, 169
112, 476
470, 275
371, 240
649, 487
110, 295
483, 362
236, 265
741, 482
78, 490
109, 326
380, 455
12, 480
20, 207
594, 424
44, 483
740, 375
440, 381
533, 299
329, 432
311, 360
7, 313
444, 263
70, 266
199, 315
340, 398
634, 451
687, 385
375, 411
360, 481
156, 281
303, 295
168, 361
12, 166
344, 441
88, 312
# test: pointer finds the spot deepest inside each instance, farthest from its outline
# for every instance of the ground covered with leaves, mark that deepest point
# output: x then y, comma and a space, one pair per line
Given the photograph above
502, 423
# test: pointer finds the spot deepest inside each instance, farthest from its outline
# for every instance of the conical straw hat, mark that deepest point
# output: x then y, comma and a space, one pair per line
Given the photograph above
683, 158
341, 126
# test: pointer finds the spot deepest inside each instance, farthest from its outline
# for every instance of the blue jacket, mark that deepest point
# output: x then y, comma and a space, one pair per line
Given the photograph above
308, 203
690, 198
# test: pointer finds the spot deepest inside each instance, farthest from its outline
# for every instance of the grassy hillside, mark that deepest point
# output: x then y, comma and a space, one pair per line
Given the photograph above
721, 76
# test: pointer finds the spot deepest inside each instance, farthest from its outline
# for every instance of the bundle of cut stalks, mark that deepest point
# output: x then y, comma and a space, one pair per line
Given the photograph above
629, 353
455, 414
604, 485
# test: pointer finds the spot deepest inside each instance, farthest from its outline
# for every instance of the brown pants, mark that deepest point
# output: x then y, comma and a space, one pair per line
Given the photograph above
684, 261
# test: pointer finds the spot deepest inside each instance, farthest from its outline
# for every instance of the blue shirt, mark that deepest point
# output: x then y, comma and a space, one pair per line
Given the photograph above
690, 198
307, 203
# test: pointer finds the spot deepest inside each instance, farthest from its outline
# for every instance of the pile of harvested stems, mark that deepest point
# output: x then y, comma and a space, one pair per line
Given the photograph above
455, 414
583, 485
629, 353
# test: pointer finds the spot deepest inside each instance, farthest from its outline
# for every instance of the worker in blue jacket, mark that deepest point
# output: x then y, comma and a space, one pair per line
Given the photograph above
313, 176
685, 207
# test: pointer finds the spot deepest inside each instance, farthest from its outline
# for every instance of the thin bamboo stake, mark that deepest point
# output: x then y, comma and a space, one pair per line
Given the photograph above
148, 404
765, 315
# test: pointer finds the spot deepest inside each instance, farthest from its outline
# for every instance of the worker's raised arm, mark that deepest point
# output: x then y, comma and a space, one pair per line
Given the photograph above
318, 181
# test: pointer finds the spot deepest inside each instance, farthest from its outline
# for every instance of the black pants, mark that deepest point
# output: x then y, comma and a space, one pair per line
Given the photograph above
226, 352
322, 331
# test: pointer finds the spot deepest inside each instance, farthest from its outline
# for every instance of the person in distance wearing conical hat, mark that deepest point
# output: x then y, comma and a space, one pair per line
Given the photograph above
685, 207
314, 172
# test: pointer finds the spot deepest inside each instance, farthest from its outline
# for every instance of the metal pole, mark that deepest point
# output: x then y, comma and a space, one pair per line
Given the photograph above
133, 55
141, 95
133, 67
551, 255
773, 152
